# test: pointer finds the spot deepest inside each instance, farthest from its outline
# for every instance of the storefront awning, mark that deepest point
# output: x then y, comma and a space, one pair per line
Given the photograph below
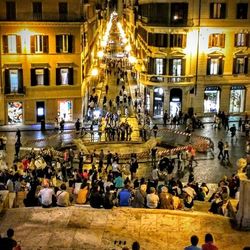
13, 66
238, 87
66, 65
40, 65
213, 88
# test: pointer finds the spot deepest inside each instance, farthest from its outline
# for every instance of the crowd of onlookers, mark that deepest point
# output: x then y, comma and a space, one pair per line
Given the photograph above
51, 180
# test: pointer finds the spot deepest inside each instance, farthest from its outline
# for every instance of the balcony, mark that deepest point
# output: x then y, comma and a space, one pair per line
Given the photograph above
165, 80
21, 91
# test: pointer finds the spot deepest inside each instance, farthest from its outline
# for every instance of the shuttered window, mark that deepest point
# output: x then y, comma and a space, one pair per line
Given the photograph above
39, 44
216, 40
12, 44
64, 76
178, 40
217, 10
241, 40
215, 66
39, 76
240, 65
64, 43
13, 81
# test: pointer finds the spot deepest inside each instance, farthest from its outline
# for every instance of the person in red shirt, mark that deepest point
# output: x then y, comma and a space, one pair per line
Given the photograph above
209, 243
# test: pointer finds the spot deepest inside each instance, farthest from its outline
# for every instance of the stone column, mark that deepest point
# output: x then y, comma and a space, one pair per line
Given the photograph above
243, 214
166, 100
225, 99
247, 98
151, 110
198, 101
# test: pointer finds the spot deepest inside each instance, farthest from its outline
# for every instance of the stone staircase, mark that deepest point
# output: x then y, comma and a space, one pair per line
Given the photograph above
88, 228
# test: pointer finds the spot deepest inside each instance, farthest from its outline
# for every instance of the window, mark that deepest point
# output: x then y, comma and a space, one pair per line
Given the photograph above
217, 10
178, 40
216, 40
63, 11
214, 66
13, 81
242, 10
64, 76
179, 13
240, 65
159, 66
156, 65
11, 44
157, 40
39, 76
237, 99
37, 10
10, 10
39, 44
177, 67
64, 43
241, 40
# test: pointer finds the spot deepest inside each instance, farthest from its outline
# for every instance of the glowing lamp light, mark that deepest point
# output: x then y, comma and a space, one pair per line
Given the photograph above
132, 59
128, 48
94, 72
100, 54
124, 40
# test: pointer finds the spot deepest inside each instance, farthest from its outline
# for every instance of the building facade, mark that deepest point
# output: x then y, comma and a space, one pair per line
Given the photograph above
193, 56
46, 52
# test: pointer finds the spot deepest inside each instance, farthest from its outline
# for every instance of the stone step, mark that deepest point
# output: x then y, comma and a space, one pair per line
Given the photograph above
78, 227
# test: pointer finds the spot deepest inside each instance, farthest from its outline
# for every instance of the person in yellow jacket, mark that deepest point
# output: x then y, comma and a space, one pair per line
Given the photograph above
83, 194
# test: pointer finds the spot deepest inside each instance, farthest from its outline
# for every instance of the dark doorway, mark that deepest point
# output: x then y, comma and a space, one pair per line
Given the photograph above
40, 111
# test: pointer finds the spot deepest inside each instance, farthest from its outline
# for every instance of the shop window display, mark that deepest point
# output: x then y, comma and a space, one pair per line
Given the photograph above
211, 101
15, 112
237, 100
65, 110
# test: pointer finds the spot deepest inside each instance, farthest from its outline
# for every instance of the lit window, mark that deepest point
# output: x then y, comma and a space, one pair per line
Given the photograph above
176, 67
240, 65
12, 46
13, 80
240, 40
216, 40
159, 66
214, 67
38, 44
40, 76
64, 76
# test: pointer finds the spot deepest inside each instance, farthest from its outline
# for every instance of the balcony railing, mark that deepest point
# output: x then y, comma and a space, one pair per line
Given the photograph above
164, 79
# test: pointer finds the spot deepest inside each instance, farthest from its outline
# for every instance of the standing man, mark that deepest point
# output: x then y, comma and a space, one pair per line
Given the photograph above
220, 147
107, 88
153, 155
155, 130
165, 118
18, 135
